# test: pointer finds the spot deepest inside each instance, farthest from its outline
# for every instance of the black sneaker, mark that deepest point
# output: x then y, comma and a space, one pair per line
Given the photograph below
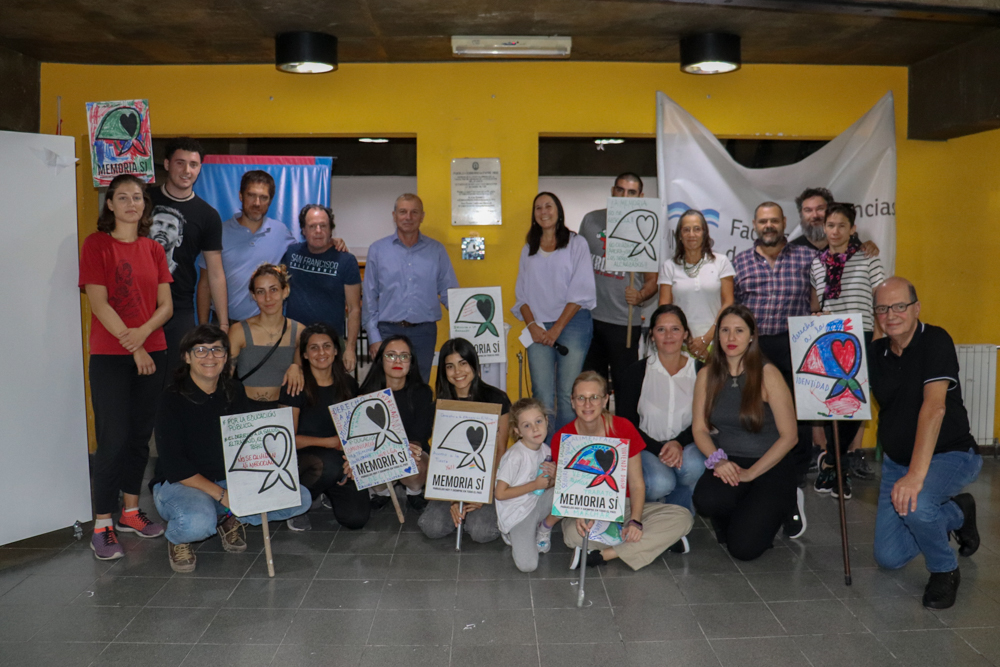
416, 503
847, 486
795, 525
378, 502
681, 546
858, 466
595, 558
941, 589
826, 481
968, 535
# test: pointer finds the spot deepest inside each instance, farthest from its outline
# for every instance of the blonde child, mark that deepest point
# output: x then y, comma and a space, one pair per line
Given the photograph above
525, 517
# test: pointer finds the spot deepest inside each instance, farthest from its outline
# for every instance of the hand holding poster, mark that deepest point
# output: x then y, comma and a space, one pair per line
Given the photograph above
261, 443
634, 235
373, 437
591, 478
476, 314
120, 140
463, 454
830, 365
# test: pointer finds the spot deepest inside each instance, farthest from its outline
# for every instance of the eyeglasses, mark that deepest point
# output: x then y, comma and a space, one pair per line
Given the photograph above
402, 356
896, 308
217, 352
596, 398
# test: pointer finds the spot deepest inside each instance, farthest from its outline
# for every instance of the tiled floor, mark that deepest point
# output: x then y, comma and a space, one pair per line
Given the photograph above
388, 596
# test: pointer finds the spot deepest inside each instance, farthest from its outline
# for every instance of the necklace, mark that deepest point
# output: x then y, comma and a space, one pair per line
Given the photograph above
692, 270
271, 334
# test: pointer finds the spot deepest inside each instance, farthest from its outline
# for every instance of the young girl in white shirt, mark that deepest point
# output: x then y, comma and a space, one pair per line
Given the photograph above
524, 487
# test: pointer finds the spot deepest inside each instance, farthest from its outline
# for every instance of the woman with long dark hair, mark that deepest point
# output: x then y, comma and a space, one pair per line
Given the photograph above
125, 276
320, 451
189, 485
459, 380
744, 424
555, 293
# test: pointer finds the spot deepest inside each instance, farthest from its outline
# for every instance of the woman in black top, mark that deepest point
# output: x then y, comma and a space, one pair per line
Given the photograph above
320, 452
189, 486
394, 367
459, 380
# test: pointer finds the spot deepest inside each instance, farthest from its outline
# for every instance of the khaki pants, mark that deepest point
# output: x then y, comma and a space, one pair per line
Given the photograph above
662, 526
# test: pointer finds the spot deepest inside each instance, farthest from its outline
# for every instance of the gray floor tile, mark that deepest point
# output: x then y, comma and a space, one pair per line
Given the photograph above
759, 652
10, 578
405, 628
413, 567
269, 593
51, 654
857, 650
710, 560
973, 609
657, 623
19, 624
420, 544
582, 655
931, 648
184, 591
864, 584
306, 655
493, 566
686, 652
789, 586
567, 626
493, 594
228, 655
37, 589
220, 565
254, 539
626, 592
405, 594
289, 566
237, 626
831, 558
493, 627
984, 640
893, 614
729, 621
88, 624
507, 655
563, 593
616, 569
121, 591
410, 656
343, 594
712, 588
329, 627
354, 566
166, 625
363, 542
778, 559
800, 618
308, 542
72, 563
151, 561
148, 655
554, 566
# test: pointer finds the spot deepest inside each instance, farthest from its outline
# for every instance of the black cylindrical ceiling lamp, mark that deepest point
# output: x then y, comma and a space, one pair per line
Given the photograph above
710, 53
305, 52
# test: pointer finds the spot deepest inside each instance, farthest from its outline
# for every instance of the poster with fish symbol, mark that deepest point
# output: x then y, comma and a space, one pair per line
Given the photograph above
476, 314
463, 452
262, 471
591, 478
830, 365
373, 437
120, 140
634, 235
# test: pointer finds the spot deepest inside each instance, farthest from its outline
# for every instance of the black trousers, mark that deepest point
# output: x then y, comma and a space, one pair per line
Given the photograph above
607, 350
175, 328
748, 516
778, 351
320, 468
124, 411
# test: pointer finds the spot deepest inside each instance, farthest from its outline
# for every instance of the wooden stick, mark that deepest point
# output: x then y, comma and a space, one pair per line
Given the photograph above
395, 502
843, 514
461, 521
628, 332
583, 570
267, 544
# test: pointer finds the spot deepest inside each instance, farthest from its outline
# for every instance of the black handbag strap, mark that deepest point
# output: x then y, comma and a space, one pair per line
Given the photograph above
267, 356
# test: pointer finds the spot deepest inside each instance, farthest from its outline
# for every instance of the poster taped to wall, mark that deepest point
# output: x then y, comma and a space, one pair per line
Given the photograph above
463, 453
120, 140
591, 478
830, 364
262, 470
476, 314
373, 437
634, 235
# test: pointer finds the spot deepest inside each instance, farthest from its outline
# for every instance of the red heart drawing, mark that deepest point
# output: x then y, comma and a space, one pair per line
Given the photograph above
843, 352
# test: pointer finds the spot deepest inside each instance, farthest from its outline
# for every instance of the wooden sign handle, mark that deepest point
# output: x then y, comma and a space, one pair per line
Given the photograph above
628, 333
395, 502
267, 544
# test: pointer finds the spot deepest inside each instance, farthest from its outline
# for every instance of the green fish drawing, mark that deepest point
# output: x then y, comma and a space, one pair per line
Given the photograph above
479, 309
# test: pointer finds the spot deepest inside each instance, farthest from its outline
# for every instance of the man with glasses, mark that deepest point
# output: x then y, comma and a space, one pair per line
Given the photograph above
930, 454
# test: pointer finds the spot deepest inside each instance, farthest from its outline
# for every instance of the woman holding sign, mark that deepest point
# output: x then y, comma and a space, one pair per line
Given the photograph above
459, 380
320, 452
744, 423
650, 527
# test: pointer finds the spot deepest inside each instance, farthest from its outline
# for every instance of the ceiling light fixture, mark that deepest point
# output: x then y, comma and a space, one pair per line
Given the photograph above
710, 53
602, 142
305, 52
497, 46
370, 140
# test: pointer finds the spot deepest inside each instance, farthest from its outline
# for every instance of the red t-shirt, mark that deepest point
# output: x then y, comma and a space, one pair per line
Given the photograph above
132, 273
620, 428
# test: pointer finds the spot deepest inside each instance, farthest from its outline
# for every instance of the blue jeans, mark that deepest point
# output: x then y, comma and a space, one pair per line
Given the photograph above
898, 539
552, 374
192, 515
424, 338
673, 485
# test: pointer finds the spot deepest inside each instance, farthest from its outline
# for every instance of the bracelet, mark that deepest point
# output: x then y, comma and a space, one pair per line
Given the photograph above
221, 496
717, 456
637, 524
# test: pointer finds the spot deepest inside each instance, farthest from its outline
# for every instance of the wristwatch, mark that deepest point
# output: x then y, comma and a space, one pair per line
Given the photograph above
638, 524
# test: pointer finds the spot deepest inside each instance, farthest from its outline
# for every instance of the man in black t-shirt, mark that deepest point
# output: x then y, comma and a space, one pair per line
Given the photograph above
930, 454
186, 226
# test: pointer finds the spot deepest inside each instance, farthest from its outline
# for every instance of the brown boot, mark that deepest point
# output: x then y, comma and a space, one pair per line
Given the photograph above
182, 559
233, 534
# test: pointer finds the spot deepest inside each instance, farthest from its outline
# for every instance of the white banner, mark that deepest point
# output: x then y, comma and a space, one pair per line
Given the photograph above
695, 171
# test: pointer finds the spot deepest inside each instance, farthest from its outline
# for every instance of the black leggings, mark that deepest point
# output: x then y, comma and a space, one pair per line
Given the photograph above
748, 516
607, 349
320, 468
124, 411
779, 352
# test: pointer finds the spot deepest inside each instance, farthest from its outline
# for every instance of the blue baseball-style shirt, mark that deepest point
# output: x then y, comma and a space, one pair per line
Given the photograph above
317, 285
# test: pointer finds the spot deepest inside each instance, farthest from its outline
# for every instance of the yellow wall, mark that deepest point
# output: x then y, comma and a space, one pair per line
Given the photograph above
947, 196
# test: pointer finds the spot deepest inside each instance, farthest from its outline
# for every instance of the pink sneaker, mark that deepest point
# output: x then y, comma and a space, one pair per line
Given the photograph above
105, 544
137, 522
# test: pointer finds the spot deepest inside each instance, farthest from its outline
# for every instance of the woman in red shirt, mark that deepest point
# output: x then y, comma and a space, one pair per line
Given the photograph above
127, 281
650, 527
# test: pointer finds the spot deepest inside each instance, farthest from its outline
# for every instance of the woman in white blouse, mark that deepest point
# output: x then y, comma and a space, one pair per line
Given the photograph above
697, 280
555, 293
656, 397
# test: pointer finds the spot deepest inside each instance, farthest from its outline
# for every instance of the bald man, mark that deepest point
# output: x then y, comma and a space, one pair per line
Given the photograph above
930, 454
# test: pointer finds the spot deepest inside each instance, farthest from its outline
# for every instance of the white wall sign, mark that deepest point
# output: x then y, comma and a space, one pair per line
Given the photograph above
634, 235
374, 440
463, 454
591, 478
262, 471
830, 365
475, 191
476, 314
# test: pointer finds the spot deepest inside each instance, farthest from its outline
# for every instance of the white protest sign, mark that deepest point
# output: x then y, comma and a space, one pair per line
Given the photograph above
634, 235
476, 314
591, 478
262, 471
830, 366
463, 453
373, 437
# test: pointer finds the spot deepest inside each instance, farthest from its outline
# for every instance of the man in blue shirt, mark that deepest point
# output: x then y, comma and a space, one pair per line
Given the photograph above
407, 278
324, 280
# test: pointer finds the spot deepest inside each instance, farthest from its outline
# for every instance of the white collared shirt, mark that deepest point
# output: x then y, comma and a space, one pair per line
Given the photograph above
666, 400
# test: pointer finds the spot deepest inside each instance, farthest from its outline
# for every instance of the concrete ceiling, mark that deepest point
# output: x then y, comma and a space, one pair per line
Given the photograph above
868, 32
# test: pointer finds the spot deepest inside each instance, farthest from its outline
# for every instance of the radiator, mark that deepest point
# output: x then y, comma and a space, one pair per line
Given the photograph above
977, 372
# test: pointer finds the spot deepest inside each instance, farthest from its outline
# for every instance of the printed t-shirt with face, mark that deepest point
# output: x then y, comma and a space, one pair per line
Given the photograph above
620, 428
518, 466
184, 229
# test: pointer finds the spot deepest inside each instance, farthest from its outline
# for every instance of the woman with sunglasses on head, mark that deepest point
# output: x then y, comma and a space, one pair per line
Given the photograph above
189, 485
459, 380
127, 281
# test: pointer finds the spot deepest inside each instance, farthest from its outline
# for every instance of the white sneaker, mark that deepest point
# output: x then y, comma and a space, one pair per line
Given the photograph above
543, 538
506, 540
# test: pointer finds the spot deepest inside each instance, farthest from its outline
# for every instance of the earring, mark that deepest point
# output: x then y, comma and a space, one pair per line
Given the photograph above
751, 339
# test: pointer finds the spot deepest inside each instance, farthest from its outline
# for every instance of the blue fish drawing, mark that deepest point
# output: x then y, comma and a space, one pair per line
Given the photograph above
272, 459
371, 417
467, 437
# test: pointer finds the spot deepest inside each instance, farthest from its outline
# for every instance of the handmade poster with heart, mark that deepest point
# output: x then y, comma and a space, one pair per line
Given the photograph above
262, 471
634, 235
477, 316
120, 140
591, 478
463, 452
374, 440
831, 369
